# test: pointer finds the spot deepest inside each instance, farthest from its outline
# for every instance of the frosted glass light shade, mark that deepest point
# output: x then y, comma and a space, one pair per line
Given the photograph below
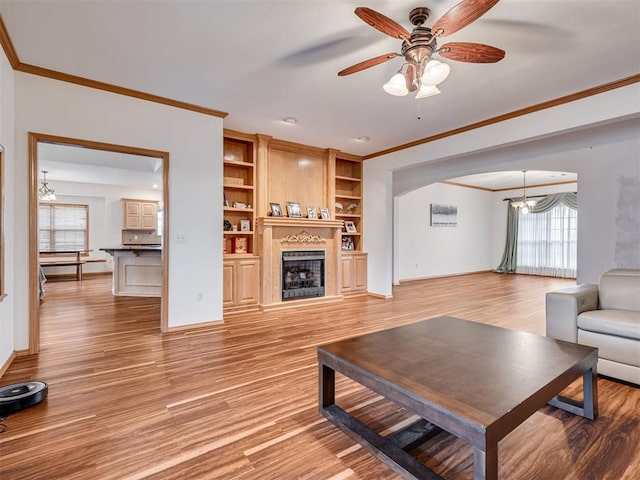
435, 72
396, 86
427, 91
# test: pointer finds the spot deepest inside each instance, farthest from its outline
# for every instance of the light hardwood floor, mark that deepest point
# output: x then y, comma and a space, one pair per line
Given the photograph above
239, 400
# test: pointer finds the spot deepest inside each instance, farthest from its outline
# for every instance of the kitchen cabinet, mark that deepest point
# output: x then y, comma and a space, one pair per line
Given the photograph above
140, 214
241, 283
354, 273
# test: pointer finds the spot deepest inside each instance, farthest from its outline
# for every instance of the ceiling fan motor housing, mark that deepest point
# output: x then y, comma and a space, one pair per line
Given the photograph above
420, 45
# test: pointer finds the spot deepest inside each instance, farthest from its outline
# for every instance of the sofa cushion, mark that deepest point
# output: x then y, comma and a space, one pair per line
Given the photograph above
622, 323
611, 347
619, 289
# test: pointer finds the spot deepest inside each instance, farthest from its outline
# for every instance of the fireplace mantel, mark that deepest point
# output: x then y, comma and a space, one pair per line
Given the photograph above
276, 234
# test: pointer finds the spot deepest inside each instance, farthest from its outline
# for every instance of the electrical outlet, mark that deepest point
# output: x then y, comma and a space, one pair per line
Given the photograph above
198, 296
180, 238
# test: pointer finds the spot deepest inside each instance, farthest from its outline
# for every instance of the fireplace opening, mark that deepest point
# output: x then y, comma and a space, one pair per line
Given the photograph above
302, 274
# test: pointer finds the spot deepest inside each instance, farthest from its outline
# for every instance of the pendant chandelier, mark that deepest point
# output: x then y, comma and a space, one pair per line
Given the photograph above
45, 192
524, 205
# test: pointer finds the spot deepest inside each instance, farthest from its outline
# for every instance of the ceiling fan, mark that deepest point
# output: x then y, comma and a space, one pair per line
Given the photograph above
421, 72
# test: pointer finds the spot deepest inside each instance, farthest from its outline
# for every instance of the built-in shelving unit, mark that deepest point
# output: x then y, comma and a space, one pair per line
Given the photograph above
348, 194
239, 194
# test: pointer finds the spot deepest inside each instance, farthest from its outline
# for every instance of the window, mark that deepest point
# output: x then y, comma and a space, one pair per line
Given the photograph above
63, 227
548, 242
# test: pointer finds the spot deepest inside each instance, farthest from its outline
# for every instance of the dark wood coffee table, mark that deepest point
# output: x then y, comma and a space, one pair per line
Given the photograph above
473, 380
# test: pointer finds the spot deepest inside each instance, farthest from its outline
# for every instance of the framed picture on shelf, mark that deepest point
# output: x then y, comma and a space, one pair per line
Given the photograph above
312, 212
347, 243
245, 226
226, 202
275, 210
324, 213
349, 226
293, 209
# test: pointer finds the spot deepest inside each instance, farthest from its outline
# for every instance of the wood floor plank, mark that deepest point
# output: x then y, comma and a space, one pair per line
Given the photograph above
239, 400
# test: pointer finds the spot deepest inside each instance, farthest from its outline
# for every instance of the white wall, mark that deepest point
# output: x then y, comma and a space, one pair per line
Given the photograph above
194, 142
426, 251
106, 216
7, 306
598, 137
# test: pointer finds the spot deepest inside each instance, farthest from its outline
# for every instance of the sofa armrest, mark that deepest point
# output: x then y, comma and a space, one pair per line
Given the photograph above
564, 306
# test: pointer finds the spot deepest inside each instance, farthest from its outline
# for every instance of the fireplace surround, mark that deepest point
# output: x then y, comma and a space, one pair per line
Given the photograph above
278, 237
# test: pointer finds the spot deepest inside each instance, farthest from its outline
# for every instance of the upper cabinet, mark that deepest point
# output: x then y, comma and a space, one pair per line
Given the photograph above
348, 200
140, 214
239, 193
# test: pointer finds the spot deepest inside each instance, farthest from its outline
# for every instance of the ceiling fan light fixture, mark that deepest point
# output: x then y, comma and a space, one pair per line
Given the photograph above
435, 72
397, 85
427, 91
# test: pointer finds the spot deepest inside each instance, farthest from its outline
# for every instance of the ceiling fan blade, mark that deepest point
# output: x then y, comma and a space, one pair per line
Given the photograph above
372, 62
461, 15
382, 23
471, 52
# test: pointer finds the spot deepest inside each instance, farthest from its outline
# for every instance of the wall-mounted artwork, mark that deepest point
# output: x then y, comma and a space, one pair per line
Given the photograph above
444, 215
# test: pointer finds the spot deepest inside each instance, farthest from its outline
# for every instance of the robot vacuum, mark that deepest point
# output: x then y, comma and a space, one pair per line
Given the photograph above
19, 396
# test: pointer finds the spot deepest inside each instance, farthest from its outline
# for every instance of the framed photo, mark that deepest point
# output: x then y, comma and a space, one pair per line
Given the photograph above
275, 209
293, 209
245, 226
324, 213
350, 226
226, 202
312, 212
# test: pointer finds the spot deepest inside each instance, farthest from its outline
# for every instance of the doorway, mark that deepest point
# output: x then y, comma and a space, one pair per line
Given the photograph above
93, 153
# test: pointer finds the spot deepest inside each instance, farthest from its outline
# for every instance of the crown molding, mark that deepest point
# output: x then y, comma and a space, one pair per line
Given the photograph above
516, 113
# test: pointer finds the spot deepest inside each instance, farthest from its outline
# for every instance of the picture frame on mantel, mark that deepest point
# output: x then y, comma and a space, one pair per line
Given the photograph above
275, 209
312, 212
324, 213
294, 210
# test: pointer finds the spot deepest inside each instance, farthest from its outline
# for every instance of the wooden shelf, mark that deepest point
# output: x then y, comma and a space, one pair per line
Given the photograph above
232, 163
231, 209
239, 187
348, 215
350, 234
348, 179
348, 197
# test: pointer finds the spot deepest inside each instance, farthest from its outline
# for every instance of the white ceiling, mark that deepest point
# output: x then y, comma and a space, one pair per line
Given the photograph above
263, 60
508, 180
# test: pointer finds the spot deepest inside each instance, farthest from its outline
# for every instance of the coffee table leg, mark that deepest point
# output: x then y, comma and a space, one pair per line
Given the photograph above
590, 389
485, 463
326, 386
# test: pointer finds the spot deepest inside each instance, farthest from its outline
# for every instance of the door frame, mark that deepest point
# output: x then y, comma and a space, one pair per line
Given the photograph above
34, 297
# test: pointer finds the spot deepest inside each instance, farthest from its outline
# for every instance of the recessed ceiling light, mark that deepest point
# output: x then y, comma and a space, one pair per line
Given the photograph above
363, 139
290, 120
155, 185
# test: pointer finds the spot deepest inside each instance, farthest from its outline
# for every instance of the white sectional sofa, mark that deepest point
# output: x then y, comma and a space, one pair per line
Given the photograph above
606, 316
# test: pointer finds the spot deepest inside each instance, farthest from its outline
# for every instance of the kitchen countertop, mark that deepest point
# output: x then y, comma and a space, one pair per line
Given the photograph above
135, 248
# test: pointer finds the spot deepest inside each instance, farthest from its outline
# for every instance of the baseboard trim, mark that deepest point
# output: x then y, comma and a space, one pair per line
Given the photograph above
443, 276
379, 295
194, 326
7, 364
15, 354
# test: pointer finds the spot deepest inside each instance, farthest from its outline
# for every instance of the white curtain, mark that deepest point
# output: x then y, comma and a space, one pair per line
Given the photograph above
547, 242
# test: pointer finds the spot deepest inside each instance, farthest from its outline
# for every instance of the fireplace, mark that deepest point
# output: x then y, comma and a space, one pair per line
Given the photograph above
303, 274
